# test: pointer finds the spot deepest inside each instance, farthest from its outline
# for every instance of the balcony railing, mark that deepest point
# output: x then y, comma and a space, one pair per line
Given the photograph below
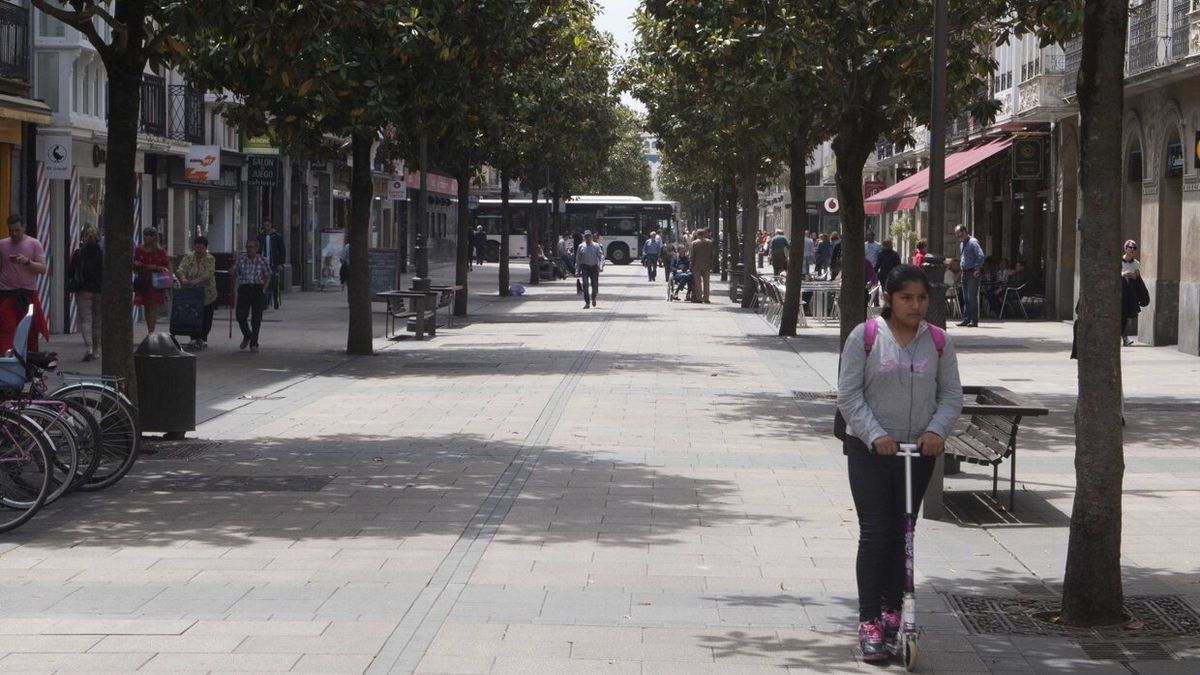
1180, 30
154, 105
1072, 58
1143, 38
187, 114
14, 42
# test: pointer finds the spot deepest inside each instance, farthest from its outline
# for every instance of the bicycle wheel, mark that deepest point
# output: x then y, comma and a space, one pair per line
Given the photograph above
87, 438
64, 453
119, 430
25, 469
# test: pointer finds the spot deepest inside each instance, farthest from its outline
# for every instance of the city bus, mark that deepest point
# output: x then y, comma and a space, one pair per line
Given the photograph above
621, 222
488, 214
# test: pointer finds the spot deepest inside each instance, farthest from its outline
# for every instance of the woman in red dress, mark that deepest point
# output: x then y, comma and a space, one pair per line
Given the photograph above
148, 259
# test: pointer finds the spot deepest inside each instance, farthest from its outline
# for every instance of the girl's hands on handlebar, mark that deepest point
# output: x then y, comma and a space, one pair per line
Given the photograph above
930, 444
886, 446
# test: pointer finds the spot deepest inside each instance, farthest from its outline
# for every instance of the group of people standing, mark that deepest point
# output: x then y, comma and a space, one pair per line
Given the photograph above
689, 263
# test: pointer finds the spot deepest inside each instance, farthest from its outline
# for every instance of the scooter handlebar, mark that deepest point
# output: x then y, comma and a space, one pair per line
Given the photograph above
908, 450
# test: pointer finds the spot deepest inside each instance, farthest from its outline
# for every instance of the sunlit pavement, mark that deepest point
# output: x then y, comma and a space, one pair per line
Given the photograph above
636, 488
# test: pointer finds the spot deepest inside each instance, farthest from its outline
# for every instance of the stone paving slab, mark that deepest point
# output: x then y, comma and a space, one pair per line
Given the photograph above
634, 489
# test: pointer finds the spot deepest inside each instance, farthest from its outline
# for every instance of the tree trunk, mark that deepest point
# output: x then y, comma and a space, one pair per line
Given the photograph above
851, 152
533, 237
359, 340
797, 158
1092, 592
124, 95
505, 227
749, 227
462, 258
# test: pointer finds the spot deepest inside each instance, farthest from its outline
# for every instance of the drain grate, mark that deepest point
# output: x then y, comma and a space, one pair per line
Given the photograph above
236, 483
815, 395
176, 450
1161, 617
1126, 650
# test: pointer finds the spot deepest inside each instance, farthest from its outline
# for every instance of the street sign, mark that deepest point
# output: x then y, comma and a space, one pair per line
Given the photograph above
832, 205
262, 171
1027, 159
472, 202
872, 188
56, 155
397, 189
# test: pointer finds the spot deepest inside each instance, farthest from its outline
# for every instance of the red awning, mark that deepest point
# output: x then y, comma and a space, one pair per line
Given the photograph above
904, 195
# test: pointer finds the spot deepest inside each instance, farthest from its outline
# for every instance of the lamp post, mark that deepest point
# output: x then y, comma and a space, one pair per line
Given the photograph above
935, 264
420, 280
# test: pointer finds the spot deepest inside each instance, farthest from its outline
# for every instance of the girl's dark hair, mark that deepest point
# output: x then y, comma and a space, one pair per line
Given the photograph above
898, 278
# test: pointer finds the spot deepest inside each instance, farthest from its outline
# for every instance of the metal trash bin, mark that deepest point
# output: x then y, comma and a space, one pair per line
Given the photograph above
166, 386
737, 279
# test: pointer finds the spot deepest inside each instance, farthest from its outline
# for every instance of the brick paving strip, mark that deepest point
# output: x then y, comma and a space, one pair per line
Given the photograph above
407, 645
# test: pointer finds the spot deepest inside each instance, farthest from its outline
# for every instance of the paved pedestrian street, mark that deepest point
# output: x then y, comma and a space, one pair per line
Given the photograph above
644, 487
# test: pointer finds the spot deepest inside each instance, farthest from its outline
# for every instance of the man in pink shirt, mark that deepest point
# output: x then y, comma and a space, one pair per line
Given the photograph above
21, 261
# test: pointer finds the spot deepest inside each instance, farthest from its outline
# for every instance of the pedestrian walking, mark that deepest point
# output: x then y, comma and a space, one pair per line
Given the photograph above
21, 261
199, 269
651, 251
701, 253
566, 254
270, 243
886, 260
1134, 294
85, 277
778, 246
971, 259
835, 254
589, 259
479, 241
810, 253
898, 383
824, 254
871, 249
151, 263
252, 279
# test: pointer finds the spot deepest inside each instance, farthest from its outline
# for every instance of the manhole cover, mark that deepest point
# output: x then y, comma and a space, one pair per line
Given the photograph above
815, 395
175, 450
236, 483
1125, 650
1162, 617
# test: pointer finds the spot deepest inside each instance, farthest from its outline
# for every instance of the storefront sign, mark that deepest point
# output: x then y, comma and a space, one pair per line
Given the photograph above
385, 269
397, 189
262, 171
332, 242
872, 188
1174, 159
1027, 159
832, 205
57, 156
434, 182
259, 145
203, 164
1196, 152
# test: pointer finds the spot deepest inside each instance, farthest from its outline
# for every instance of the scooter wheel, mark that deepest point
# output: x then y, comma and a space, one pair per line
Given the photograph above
910, 654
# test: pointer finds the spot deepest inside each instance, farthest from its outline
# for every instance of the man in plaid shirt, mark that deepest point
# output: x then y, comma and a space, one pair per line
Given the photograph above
252, 279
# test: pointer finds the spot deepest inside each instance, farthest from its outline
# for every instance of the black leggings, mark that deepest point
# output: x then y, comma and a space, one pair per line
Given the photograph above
877, 484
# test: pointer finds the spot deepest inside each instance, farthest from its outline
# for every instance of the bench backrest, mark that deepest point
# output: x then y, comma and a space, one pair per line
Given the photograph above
996, 432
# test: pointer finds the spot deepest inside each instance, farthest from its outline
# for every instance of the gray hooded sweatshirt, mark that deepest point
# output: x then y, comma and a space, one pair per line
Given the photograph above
897, 391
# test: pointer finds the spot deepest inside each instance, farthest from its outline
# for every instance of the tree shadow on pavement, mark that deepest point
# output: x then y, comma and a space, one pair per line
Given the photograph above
390, 489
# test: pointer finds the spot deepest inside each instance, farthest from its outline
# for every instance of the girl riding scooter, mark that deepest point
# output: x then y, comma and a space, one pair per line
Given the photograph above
898, 383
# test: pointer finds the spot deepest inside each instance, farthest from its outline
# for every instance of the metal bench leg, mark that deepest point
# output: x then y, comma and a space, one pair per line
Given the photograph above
1012, 482
995, 478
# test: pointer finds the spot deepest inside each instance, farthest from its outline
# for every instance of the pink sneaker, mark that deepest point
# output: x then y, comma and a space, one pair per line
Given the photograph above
890, 619
870, 641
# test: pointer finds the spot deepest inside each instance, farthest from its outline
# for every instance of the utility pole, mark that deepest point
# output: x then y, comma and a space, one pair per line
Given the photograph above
935, 263
420, 280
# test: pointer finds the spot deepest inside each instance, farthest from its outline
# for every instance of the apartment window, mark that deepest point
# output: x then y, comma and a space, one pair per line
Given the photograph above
51, 27
46, 84
83, 100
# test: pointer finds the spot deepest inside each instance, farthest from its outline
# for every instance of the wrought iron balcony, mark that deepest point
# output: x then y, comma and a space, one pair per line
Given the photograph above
1072, 58
187, 114
154, 105
1143, 38
14, 42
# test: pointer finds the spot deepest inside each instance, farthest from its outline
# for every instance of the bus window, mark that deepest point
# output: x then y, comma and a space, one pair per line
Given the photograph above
619, 227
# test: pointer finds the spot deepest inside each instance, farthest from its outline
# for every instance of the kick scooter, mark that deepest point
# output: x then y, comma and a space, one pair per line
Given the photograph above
906, 639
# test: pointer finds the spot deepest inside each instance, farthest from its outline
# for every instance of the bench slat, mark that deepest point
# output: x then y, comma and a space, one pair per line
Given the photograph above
983, 437
972, 450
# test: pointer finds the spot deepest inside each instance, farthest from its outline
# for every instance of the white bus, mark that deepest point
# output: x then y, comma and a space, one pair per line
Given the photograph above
621, 222
488, 214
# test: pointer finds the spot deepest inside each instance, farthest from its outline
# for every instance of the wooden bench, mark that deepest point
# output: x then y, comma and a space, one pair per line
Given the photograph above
418, 308
991, 434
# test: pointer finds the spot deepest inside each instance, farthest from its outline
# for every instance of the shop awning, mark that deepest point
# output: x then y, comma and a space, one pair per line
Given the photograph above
24, 109
905, 194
